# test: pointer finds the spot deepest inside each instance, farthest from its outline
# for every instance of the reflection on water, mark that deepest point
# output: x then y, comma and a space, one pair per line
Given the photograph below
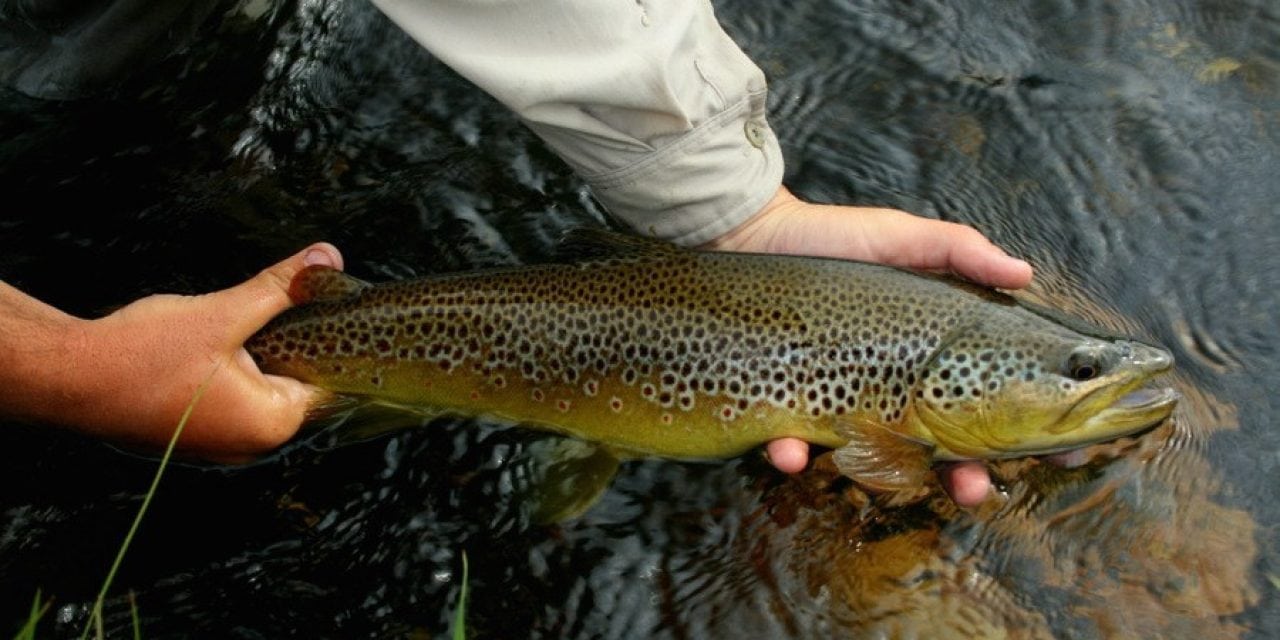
1130, 151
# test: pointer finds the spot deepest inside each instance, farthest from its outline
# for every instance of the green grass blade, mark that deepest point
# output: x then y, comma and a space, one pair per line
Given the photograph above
95, 616
38, 609
460, 615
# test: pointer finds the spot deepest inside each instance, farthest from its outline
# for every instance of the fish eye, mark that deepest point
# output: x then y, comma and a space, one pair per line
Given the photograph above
1084, 365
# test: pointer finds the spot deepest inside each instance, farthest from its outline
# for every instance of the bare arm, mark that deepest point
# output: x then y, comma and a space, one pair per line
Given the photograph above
129, 376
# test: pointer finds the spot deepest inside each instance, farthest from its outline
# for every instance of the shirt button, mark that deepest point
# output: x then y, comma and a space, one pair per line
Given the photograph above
755, 133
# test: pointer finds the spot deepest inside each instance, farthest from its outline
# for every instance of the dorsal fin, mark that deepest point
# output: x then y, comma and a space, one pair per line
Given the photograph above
318, 283
595, 242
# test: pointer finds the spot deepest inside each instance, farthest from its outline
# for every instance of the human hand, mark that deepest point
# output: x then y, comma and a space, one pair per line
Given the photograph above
140, 367
791, 226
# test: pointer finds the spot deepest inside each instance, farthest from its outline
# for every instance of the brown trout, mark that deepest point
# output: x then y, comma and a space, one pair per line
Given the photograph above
648, 349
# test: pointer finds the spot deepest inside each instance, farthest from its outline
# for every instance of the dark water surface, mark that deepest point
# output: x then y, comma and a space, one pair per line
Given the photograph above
1130, 150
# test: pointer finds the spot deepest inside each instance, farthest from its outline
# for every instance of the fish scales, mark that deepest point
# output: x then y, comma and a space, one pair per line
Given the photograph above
645, 347
689, 354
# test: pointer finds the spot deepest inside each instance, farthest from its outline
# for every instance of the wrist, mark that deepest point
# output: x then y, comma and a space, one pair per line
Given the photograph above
40, 368
758, 233
75, 378
79, 374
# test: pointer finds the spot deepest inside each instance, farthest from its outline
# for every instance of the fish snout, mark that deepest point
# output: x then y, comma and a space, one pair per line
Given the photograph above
1146, 358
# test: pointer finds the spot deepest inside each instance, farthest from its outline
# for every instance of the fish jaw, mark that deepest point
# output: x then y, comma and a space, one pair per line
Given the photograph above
1132, 412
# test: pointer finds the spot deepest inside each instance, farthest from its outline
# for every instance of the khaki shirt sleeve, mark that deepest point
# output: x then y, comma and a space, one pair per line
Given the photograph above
648, 100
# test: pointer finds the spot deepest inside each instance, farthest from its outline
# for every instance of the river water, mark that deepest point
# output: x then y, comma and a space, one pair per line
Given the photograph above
1129, 150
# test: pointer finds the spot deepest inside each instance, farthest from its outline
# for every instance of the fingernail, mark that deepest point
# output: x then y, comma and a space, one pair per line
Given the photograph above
318, 257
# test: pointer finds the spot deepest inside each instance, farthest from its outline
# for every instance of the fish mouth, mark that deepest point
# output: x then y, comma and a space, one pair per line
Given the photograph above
1136, 407
1133, 411
1130, 414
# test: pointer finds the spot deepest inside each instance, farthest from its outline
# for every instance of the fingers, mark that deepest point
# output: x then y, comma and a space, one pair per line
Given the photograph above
252, 303
789, 455
243, 414
1069, 459
287, 398
901, 239
888, 236
278, 422
973, 256
967, 482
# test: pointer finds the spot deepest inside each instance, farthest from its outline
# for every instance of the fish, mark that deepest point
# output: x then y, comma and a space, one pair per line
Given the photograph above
642, 348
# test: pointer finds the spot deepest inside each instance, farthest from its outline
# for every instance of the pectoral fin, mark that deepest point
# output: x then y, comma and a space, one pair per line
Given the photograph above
884, 462
569, 476
354, 419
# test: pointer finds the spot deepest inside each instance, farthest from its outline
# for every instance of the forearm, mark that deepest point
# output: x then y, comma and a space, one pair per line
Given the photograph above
40, 371
651, 103
108, 377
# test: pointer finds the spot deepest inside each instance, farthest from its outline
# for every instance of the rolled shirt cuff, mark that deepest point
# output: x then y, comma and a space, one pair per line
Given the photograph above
698, 186
651, 103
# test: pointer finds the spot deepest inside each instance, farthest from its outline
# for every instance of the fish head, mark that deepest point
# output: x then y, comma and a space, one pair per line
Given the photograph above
1035, 387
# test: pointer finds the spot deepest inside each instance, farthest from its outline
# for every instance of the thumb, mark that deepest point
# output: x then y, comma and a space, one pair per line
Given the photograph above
258, 300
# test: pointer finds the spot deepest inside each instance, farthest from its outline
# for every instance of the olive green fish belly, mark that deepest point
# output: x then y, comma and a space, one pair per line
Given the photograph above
671, 353
597, 408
